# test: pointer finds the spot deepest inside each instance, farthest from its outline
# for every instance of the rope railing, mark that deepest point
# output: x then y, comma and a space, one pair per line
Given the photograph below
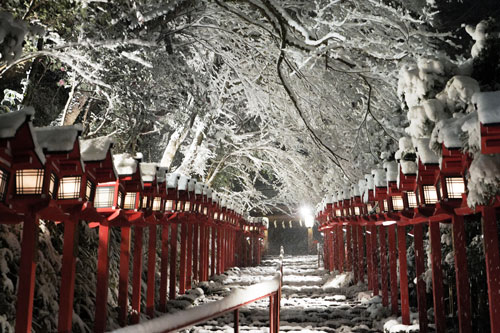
232, 303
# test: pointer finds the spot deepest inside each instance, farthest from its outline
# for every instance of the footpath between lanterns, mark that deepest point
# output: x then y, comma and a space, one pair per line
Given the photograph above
312, 300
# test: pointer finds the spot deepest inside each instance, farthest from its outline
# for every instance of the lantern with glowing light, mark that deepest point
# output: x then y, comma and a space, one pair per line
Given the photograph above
428, 166
380, 190
21, 165
487, 106
151, 176
172, 183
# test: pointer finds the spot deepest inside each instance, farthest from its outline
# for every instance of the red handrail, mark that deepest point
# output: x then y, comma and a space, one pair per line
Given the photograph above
232, 303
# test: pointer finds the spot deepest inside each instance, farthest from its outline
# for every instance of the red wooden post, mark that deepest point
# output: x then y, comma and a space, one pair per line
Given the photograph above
101, 295
349, 248
393, 265
195, 251
369, 257
164, 268
341, 248
361, 254
375, 263
490, 234
271, 314
383, 266
124, 272
236, 319
331, 253
437, 277
173, 260
212, 261
203, 252
403, 275
207, 252
182, 264
355, 261
150, 293
27, 270
461, 274
220, 239
420, 271
68, 270
189, 268
136, 276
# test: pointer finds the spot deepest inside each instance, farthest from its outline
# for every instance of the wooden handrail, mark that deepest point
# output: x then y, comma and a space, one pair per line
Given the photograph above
232, 303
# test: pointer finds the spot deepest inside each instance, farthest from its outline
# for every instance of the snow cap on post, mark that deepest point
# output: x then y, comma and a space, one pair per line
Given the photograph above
346, 192
424, 153
207, 191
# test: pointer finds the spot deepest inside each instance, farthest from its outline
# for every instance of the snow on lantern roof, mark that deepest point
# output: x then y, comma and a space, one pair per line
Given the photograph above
391, 168
215, 197
369, 181
207, 191
96, 149
148, 171
199, 188
424, 153
125, 164
355, 190
223, 203
191, 185
362, 186
173, 180
11, 121
182, 185
379, 178
57, 138
331, 198
488, 106
346, 192
448, 131
161, 174
408, 167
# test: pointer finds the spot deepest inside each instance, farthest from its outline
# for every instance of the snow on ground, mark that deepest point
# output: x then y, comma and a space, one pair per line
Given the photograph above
312, 301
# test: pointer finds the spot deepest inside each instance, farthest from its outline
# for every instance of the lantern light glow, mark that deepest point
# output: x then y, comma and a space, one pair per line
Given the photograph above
307, 216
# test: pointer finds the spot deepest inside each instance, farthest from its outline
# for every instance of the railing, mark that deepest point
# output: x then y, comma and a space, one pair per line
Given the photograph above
232, 303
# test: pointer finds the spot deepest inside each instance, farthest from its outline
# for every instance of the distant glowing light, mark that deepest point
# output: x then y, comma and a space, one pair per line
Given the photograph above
386, 223
307, 216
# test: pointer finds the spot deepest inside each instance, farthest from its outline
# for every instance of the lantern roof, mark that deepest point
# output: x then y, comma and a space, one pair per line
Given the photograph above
125, 164
215, 197
379, 178
488, 106
355, 190
331, 198
148, 171
408, 167
346, 192
11, 121
448, 131
207, 191
199, 188
57, 138
391, 168
161, 174
173, 180
182, 184
424, 153
369, 181
192, 185
94, 150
